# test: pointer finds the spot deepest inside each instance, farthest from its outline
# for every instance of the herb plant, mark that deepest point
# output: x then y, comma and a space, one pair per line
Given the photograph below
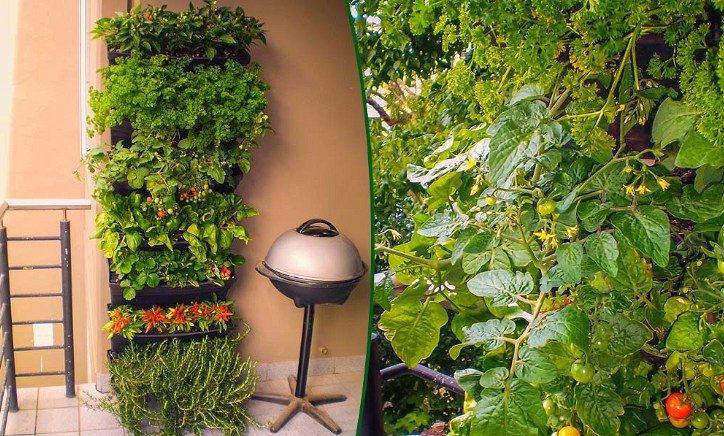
172, 387
582, 265
208, 30
170, 99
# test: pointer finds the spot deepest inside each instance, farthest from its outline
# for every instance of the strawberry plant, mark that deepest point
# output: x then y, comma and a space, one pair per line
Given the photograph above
578, 260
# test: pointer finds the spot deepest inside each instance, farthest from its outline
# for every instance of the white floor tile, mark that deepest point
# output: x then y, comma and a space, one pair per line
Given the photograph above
58, 420
21, 422
107, 432
91, 419
53, 397
28, 398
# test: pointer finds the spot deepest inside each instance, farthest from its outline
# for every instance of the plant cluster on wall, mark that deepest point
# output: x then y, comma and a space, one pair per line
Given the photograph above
184, 108
572, 217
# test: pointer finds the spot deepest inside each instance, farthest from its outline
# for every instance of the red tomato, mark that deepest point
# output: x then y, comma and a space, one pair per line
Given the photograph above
678, 406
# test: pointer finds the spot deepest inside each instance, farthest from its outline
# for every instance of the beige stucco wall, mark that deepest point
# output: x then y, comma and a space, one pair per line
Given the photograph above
314, 164
39, 159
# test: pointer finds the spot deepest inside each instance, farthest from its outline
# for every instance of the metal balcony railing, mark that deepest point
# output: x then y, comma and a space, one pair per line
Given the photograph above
8, 395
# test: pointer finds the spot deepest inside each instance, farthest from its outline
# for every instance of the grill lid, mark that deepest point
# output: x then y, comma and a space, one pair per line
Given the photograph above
315, 252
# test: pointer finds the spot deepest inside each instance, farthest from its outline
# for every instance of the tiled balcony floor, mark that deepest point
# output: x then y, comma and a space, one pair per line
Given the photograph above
46, 410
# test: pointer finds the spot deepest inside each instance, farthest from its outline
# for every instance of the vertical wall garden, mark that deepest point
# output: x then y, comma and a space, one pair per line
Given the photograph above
184, 106
567, 174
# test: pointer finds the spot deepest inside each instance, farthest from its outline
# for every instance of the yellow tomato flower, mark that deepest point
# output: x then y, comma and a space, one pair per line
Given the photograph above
663, 183
642, 189
571, 232
543, 235
629, 189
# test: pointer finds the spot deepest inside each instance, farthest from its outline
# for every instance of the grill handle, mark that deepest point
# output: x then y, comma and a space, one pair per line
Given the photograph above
308, 228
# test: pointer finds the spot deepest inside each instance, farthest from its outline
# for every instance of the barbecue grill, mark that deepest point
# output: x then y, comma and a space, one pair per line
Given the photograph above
312, 264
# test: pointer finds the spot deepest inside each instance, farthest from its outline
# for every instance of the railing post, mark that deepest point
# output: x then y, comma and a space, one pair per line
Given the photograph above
7, 322
67, 291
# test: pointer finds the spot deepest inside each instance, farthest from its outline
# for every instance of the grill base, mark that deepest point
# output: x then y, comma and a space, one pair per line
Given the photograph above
308, 404
298, 400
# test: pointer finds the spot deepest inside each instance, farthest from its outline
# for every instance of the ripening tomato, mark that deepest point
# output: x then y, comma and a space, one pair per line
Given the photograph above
569, 431
678, 406
679, 423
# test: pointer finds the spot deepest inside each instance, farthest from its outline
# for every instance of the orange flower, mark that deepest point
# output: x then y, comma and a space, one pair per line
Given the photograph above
222, 313
178, 314
154, 319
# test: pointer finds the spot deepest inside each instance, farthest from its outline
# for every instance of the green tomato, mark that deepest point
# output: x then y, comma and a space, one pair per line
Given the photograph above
490, 200
582, 372
720, 265
673, 362
546, 207
549, 406
700, 421
600, 342
689, 370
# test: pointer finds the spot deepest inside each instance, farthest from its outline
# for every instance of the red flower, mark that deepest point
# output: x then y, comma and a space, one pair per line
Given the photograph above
222, 313
178, 314
153, 318
120, 323
195, 311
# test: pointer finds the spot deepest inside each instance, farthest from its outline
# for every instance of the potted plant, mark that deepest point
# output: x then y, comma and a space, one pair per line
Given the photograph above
184, 111
169, 213
179, 321
200, 385
208, 31
583, 270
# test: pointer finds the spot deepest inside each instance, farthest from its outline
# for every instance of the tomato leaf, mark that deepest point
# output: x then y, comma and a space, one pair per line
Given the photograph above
569, 257
672, 123
695, 206
485, 334
469, 380
501, 285
514, 139
568, 326
696, 151
634, 274
136, 177
599, 407
494, 378
646, 228
535, 367
592, 214
627, 336
714, 352
413, 328
685, 334
603, 250
516, 411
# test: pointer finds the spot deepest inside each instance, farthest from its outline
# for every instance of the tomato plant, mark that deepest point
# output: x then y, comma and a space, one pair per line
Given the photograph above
538, 107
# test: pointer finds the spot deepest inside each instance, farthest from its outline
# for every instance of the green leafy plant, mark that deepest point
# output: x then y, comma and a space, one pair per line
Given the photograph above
170, 99
208, 30
579, 261
127, 322
172, 387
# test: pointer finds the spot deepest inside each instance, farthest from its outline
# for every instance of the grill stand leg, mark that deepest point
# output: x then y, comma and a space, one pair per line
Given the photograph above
298, 400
